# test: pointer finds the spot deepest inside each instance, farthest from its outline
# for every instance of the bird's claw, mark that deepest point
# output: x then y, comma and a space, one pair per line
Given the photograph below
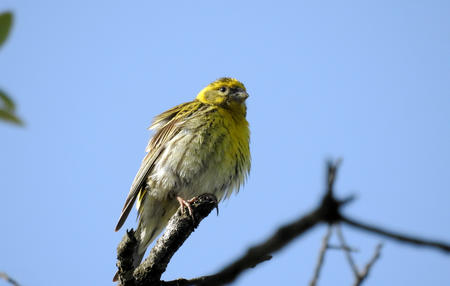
187, 204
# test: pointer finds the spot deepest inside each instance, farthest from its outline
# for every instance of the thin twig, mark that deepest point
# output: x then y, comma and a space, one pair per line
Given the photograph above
322, 252
363, 275
439, 245
6, 277
346, 248
339, 247
331, 175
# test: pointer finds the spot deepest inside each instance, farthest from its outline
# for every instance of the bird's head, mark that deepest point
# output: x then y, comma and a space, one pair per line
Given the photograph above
225, 92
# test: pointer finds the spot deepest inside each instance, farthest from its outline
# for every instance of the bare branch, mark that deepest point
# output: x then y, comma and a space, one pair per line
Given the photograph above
347, 248
127, 247
6, 277
347, 252
177, 231
322, 252
363, 275
331, 175
260, 252
445, 247
327, 211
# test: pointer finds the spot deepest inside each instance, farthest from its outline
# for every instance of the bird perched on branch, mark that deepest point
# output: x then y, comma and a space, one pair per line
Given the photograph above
201, 146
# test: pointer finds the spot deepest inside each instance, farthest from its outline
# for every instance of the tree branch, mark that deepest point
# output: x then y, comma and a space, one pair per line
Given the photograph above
327, 211
323, 250
438, 245
127, 247
359, 279
6, 277
258, 253
180, 226
347, 251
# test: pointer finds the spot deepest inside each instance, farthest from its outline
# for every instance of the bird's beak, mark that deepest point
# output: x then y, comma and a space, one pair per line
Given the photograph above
240, 96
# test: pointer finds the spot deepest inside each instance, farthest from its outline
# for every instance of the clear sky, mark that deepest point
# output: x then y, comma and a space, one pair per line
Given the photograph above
368, 81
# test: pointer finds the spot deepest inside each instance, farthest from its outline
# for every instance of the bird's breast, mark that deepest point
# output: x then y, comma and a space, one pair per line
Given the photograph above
210, 155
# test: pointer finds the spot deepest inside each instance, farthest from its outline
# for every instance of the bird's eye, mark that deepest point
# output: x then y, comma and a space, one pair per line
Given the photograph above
223, 89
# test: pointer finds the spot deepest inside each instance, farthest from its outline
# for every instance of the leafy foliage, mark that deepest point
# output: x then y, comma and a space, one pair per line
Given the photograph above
7, 109
6, 19
7, 106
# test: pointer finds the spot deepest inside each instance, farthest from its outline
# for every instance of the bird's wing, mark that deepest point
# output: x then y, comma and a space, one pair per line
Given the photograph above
167, 125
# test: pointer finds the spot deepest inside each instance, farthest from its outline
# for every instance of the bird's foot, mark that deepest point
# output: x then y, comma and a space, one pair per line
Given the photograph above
187, 204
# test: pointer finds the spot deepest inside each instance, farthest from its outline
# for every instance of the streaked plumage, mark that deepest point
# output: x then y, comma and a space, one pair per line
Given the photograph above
198, 147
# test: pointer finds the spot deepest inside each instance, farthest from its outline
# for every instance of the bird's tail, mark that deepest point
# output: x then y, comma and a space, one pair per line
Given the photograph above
154, 216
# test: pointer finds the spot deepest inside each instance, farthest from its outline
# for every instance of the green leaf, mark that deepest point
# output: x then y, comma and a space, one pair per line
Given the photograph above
7, 108
6, 19
8, 103
10, 117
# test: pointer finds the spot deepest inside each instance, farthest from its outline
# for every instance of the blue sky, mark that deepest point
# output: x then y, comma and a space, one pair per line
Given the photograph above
367, 81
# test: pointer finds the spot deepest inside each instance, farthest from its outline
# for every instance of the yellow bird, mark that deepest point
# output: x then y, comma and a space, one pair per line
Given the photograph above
201, 146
